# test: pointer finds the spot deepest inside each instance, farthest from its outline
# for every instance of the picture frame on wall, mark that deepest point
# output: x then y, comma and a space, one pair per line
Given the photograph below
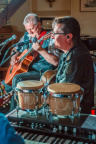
46, 23
88, 5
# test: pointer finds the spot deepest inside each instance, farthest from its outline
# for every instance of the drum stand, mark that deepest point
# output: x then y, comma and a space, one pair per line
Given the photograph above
36, 108
45, 110
74, 105
17, 107
45, 106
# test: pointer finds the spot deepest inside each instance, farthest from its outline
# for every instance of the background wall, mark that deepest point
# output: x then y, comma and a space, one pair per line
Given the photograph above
18, 17
59, 8
42, 8
87, 20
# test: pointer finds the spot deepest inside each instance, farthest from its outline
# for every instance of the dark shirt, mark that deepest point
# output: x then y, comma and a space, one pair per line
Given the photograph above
76, 66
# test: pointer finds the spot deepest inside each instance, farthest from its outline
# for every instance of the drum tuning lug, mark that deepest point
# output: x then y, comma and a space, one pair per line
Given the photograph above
72, 118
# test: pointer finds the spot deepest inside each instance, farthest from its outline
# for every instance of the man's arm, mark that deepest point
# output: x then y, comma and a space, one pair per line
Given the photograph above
53, 59
14, 57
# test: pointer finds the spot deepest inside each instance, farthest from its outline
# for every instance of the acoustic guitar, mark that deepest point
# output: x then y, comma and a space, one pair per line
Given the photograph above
23, 63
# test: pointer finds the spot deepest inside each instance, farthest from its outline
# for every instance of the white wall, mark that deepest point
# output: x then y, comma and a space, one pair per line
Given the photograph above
87, 20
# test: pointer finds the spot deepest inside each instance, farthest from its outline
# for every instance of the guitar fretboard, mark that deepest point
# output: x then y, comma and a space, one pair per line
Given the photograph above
30, 50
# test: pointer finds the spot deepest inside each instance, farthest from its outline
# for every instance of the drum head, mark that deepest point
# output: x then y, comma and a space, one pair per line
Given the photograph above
30, 85
64, 88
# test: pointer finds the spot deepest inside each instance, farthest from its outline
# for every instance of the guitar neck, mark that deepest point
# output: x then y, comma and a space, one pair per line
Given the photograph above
30, 50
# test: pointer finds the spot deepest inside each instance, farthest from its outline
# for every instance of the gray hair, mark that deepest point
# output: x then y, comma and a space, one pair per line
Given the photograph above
31, 18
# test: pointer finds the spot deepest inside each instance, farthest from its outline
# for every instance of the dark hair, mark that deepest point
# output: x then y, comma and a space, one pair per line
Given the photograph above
69, 25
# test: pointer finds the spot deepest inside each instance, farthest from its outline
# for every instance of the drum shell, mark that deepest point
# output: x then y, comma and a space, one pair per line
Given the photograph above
29, 100
63, 105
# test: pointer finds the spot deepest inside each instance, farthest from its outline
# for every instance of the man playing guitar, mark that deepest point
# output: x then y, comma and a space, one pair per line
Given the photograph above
48, 60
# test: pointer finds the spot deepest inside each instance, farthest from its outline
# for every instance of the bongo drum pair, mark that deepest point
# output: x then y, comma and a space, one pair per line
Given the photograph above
64, 98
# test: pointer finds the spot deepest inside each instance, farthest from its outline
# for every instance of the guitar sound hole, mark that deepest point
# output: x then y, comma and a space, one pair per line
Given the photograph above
11, 69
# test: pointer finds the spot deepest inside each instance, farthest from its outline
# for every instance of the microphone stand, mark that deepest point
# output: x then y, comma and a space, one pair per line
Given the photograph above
2, 48
6, 53
8, 50
14, 52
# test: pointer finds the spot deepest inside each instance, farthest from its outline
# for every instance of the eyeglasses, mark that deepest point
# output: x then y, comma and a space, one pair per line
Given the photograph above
58, 33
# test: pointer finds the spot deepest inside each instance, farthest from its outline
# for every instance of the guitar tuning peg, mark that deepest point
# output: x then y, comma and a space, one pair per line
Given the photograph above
6, 104
9, 101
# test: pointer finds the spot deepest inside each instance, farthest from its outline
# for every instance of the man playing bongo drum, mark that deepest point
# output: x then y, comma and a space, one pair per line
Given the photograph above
75, 64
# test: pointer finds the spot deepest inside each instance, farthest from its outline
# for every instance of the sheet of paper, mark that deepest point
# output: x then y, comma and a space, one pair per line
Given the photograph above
90, 122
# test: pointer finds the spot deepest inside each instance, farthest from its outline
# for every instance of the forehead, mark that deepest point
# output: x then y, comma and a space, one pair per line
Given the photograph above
29, 26
57, 27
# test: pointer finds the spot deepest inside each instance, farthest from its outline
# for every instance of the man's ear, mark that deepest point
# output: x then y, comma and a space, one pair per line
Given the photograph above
39, 24
69, 36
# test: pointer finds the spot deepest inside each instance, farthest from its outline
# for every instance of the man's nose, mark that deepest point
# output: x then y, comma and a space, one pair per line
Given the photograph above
30, 31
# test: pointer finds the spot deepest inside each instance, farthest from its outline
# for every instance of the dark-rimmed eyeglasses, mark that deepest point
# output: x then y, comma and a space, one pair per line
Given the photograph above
58, 33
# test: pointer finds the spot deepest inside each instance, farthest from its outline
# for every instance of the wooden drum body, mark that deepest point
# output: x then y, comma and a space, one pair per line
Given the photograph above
29, 94
65, 98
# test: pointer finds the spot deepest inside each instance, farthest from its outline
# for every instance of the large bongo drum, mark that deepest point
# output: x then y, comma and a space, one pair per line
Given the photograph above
49, 76
29, 94
64, 98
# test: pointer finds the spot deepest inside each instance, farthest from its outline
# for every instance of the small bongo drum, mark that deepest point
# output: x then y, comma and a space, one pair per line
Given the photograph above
64, 98
29, 94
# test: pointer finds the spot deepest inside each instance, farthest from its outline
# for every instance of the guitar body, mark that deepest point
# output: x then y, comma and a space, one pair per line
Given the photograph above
18, 68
